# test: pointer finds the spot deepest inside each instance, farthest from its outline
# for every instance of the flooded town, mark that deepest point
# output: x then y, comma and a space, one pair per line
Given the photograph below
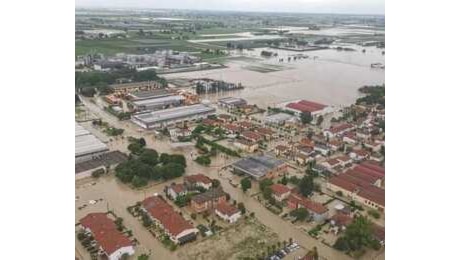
228, 135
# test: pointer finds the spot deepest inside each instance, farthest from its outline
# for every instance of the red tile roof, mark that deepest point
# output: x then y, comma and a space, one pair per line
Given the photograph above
306, 106
344, 184
177, 188
198, 178
232, 127
374, 194
374, 166
313, 206
340, 128
279, 189
172, 221
227, 209
251, 135
379, 232
264, 131
341, 219
105, 232
367, 178
245, 124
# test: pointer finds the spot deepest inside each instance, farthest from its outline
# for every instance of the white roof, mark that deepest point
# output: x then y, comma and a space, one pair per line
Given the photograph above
86, 143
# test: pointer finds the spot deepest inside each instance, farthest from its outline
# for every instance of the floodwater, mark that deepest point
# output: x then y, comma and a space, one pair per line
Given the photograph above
328, 76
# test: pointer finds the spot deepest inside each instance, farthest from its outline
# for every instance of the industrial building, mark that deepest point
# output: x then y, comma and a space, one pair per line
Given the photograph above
260, 167
87, 146
125, 88
232, 102
157, 103
142, 95
171, 116
280, 119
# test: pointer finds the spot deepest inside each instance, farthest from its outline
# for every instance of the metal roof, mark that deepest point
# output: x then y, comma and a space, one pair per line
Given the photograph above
257, 166
158, 101
173, 113
86, 143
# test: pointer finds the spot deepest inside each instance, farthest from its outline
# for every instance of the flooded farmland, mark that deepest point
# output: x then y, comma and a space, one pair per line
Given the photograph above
328, 76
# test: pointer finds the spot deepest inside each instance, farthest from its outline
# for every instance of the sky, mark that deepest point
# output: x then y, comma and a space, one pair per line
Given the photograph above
305, 6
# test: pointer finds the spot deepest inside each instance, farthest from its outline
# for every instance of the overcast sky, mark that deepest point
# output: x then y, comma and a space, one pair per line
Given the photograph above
307, 6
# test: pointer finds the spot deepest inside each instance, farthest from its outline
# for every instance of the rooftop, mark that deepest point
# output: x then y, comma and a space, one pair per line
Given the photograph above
257, 166
227, 209
208, 195
105, 232
86, 143
173, 113
172, 221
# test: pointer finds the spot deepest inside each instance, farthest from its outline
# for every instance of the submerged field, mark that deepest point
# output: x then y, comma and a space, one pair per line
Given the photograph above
248, 238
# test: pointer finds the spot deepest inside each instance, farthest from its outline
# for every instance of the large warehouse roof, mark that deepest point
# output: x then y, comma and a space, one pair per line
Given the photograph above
257, 166
86, 143
173, 113
156, 93
158, 101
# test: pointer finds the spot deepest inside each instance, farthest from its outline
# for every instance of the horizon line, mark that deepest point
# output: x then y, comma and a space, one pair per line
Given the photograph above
220, 10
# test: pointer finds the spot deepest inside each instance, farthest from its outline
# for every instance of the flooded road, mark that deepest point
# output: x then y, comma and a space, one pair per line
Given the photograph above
332, 78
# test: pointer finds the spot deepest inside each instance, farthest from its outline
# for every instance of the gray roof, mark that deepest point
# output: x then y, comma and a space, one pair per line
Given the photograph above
86, 143
257, 166
173, 113
279, 117
232, 101
158, 101
150, 94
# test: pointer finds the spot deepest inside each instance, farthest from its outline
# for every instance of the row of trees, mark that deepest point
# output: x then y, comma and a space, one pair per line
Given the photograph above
145, 164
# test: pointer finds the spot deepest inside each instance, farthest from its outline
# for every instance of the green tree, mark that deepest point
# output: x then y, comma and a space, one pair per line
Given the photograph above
267, 193
149, 157
320, 120
139, 181
177, 158
164, 158
135, 148
306, 118
300, 214
246, 184
143, 257
215, 183
173, 170
242, 208
306, 185
263, 184
142, 142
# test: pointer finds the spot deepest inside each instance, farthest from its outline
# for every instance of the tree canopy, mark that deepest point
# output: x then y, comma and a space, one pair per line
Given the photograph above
246, 184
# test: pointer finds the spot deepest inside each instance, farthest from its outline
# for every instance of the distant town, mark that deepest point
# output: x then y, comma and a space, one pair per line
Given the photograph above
229, 137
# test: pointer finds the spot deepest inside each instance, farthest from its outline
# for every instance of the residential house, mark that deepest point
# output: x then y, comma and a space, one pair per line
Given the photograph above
318, 212
267, 133
227, 212
178, 229
197, 180
175, 190
251, 136
350, 138
281, 150
322, 148
345, 160
359, 155
246, 145
246, 125
280, 192
340, 220
224, 118
231, 128
208, 200
331, 164
335, 145
111, 241
338, 130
